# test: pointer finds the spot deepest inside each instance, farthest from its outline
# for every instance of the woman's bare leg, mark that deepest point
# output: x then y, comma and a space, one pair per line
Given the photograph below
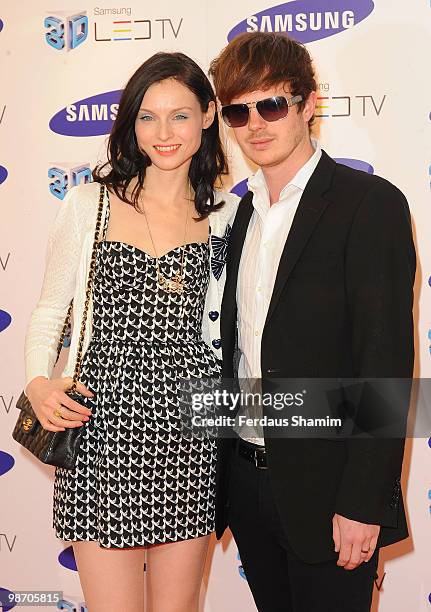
174, 575
112, 579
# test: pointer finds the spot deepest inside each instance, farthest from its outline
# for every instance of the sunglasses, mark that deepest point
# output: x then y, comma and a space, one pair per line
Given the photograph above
270, 109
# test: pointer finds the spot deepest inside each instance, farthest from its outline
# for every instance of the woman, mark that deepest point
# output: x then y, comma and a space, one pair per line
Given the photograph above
138, 482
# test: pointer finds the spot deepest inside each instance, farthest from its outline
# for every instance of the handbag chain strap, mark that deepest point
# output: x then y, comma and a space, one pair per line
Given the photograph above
87, 298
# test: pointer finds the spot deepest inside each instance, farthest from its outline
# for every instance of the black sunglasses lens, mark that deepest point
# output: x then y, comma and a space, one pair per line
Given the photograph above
235, 115
272, 109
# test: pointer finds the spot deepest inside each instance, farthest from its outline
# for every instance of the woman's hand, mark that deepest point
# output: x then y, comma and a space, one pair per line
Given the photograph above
48, 396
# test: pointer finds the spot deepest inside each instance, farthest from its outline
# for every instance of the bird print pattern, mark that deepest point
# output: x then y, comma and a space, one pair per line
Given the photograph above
139, 479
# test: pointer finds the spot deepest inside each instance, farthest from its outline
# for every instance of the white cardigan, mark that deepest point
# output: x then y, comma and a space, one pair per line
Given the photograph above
67, 264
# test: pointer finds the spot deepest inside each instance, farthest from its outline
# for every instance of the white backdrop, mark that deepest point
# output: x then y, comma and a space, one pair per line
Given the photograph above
373, 74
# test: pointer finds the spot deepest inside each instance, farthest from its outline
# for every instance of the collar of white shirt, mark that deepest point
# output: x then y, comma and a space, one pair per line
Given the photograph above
257, 184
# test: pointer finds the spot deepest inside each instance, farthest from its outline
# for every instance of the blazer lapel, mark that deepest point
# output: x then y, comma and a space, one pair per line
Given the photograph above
310, 208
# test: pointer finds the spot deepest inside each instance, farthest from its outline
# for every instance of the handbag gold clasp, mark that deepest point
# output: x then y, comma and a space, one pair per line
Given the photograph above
27, 423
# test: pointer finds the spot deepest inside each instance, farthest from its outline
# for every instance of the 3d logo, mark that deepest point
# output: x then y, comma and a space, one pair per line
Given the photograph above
65, 175
66, 30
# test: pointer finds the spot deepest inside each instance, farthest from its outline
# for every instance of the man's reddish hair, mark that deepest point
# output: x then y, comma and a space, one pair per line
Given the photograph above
261, 60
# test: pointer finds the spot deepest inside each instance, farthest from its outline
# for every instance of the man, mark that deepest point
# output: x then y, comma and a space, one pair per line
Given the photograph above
320, 275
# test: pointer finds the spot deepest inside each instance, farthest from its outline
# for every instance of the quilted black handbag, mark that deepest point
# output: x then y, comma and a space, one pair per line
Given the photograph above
58, 448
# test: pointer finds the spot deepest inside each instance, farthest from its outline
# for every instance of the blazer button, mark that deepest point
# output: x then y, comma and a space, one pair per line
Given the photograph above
216, 343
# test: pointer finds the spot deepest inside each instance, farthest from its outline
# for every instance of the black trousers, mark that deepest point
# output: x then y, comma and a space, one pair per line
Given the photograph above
278, 579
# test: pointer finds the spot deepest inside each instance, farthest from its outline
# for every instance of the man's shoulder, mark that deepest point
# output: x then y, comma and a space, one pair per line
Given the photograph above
363, 182
368, 194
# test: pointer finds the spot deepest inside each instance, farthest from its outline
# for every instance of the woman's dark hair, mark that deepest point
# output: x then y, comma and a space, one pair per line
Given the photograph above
126, 160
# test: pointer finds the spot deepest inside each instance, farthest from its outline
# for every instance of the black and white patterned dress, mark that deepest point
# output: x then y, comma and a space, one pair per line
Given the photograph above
138, 480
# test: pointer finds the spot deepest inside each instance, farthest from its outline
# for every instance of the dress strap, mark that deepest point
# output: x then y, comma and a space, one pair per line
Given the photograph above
107, 213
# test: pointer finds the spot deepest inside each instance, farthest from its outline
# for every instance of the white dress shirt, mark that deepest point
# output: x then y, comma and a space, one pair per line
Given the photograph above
266, 236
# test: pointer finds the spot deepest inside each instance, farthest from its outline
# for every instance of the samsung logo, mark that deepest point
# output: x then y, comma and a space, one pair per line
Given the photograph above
241, 188
6, 599
5, 320
6, 462
92, 116
307, 20
3, 174
67, 559
113, 11
356, 164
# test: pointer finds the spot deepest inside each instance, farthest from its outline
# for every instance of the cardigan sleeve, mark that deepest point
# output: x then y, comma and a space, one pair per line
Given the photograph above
219, 220
62, 261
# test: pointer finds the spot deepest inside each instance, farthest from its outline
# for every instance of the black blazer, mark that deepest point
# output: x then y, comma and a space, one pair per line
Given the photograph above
341, 307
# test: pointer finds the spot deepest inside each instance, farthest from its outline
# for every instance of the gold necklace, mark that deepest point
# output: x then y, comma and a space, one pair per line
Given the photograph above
175, 284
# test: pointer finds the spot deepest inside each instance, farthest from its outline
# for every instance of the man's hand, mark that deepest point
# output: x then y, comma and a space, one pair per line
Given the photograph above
356, 542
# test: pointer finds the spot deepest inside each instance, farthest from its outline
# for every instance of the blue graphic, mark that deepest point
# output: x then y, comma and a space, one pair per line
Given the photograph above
92, 116
5, 320
1, 25
72, 606
3, 174
6, 462
66, 31
240, 568
5, 603
55, 36
66, 177
241, 188
67, 559
356, 164
307, 20
59, 186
